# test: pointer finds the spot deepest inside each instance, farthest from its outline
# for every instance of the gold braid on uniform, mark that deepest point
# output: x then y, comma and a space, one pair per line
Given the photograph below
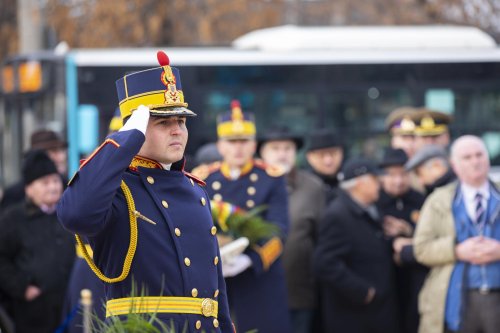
131, 248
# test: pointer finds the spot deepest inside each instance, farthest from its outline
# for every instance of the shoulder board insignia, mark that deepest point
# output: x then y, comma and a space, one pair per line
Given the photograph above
204, 170
260, 163
196, 179
271, 170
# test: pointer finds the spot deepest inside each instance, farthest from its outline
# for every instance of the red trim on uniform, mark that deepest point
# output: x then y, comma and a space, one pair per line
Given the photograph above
196, 179
111, 141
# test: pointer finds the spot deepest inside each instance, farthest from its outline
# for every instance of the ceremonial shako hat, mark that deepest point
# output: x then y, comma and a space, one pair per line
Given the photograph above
401, 121
393, 157
47, 139
157, 88
323, 138
280, 133
37, 165
431, 123
236, 124
356, 167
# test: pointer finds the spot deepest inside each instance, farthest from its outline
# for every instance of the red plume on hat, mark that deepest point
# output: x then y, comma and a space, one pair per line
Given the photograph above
163, 59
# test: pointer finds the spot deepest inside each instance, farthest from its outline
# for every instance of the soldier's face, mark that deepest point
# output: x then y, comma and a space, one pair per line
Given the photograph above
166, 139
236, 153
442, 140
405, 142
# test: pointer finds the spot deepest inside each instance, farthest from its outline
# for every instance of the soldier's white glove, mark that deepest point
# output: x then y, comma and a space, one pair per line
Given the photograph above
236, 266
233, 260
138, 120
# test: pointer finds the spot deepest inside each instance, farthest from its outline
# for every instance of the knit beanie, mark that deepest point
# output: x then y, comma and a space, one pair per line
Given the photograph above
36, 165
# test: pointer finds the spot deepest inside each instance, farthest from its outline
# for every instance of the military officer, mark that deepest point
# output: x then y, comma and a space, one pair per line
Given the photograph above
401, 125
147, 221
431, 128
256, 283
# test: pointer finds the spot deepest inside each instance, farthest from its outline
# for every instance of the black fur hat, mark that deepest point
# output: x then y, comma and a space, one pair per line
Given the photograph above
36, 165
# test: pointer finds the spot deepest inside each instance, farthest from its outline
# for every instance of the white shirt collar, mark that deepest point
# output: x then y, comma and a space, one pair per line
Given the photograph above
470, 192
166, 166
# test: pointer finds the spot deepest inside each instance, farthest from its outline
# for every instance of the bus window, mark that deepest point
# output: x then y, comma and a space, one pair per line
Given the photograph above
440, 99
358, 115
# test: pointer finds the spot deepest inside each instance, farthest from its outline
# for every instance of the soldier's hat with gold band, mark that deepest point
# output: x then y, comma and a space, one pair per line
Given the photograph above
431, 123
401, 121
157, 88
236, 124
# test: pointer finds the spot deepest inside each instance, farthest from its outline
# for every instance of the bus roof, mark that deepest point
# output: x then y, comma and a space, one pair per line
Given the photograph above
294, 38
325, 45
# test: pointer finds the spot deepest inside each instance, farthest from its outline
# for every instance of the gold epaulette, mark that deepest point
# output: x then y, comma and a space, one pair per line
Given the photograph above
271, 170
202, 171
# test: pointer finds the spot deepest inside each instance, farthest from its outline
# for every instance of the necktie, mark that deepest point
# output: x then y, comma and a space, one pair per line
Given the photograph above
479, 208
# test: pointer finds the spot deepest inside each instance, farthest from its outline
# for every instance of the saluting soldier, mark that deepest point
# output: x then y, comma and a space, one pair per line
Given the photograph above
147, 221
256, 283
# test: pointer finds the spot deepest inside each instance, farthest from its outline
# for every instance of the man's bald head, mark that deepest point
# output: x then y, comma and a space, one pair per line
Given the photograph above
470, 161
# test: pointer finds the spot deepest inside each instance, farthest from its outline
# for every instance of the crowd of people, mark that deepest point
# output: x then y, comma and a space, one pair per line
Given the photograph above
407, 244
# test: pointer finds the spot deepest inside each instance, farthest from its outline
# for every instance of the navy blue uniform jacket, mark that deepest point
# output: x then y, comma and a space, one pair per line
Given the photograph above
258, 296
175, 257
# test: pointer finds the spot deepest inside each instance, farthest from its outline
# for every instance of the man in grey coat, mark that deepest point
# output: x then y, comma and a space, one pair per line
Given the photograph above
306, 200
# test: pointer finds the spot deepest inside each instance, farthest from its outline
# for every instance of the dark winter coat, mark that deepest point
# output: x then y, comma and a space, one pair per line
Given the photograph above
410, 276
34, 250
352, 256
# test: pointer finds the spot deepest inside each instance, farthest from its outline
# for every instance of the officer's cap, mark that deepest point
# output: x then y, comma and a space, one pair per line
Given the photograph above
236, 124
356, 167
425, 154
431, 123
401, 121
157, 88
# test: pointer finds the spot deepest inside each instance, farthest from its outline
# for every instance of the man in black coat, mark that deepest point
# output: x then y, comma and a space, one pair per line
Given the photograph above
36, 253
400, 206
353, 260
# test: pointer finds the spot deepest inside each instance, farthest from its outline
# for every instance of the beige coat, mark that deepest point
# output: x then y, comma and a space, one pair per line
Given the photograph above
434, 246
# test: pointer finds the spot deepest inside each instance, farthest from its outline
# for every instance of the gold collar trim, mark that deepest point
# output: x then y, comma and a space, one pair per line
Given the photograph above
139, 161
226, 170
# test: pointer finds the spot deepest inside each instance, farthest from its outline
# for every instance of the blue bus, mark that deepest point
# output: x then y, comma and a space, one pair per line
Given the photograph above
346, 79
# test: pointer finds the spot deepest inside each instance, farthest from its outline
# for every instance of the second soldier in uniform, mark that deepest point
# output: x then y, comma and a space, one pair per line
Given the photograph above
256, 289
